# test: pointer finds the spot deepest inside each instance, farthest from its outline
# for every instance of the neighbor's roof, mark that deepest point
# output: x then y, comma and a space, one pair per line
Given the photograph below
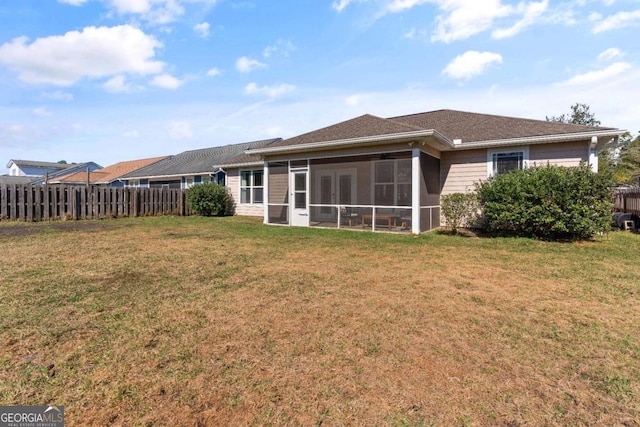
449, 125
110, 173
8, 179
203, 160
36, 164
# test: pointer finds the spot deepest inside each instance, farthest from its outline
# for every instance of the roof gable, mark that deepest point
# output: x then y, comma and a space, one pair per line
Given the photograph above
359, 127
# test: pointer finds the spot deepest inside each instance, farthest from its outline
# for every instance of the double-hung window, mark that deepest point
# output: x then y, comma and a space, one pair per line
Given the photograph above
392, 182
499, 162
252, 186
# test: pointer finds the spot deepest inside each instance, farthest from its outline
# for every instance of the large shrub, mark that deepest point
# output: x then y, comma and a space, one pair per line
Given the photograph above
458, 209
548, 202
210, 200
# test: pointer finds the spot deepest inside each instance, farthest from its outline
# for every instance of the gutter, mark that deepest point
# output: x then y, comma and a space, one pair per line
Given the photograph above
164, 176
340, 143
545, 139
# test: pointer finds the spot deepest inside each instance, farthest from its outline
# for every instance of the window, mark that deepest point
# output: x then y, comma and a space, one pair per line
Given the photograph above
251, 186
392, 182
134, 183
499, 162
206, 179
189, 182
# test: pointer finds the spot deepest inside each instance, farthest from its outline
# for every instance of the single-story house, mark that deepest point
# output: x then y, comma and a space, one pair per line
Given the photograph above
226, 165
109, 176
41, 171
389, 173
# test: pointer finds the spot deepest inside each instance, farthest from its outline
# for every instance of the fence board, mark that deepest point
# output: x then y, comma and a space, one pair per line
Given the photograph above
55, 202
627, 200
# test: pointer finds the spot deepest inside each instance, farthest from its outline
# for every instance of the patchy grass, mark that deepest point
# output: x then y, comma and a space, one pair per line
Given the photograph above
199, 321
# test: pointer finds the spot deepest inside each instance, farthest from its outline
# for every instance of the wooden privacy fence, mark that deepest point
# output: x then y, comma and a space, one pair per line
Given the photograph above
627, 200
54, 202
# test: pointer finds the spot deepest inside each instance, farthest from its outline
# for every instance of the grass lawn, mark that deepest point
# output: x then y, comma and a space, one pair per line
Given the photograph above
196, 321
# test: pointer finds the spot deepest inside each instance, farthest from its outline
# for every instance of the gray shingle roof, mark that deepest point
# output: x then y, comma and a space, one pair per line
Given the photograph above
36, 164
202, 161
452, 124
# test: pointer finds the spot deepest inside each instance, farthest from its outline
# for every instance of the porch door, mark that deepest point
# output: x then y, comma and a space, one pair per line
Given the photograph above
335, 188
300, 198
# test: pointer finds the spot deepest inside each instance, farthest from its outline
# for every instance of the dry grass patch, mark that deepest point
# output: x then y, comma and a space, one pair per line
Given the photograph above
225, 321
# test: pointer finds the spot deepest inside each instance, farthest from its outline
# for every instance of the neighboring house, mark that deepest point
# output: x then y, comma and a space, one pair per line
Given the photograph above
37, 169
108, 176
17, 180
377, 173
227, 165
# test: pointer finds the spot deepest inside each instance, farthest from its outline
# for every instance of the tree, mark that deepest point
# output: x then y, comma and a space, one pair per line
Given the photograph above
627, 165
580, 115
62, 162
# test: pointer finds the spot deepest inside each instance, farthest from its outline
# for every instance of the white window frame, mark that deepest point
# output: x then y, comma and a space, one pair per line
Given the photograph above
205, 179
491, 152
395, 182
135, 183
251, 187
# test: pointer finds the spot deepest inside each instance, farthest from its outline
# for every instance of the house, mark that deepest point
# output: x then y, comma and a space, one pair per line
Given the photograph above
226, 165
41, 171
389, 173
109, 176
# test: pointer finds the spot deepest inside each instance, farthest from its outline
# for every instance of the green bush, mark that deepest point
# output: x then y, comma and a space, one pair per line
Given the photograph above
548, 202
210, 200
458, 209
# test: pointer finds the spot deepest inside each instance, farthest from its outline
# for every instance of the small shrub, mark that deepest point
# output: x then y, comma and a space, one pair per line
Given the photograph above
458, 209
210, 200
548, 202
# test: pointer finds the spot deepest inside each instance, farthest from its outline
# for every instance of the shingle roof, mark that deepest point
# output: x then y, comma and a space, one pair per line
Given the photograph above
110, 173
473, 127
203, 160
452, 124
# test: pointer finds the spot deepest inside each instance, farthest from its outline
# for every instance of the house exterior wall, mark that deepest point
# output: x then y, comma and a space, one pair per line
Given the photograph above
460, 169
567, 154
233, 186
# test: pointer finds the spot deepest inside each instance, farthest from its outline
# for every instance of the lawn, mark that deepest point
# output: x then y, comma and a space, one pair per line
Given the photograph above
218, 321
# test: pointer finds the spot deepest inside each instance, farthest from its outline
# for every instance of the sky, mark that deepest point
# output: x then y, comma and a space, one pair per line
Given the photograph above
116, 80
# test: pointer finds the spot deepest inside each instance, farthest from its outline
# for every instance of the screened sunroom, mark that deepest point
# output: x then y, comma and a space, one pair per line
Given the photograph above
393, 191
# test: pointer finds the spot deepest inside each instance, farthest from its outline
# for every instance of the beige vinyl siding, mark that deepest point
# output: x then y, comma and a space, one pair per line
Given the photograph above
460, 169
233, 185
565, 154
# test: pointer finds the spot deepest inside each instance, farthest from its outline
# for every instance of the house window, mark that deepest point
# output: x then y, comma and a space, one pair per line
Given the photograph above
189, 182
499, 162
392, 182
251, 186
134, 183
206, 179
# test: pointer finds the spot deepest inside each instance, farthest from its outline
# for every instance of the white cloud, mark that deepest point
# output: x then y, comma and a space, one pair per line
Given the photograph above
95, 52
532, 12
214, 72
42, 112
465, 18
117, 84
246, 65
617, 21
202, 29
340, 5
270, 91
58, 95
598, 76
180, 129
155, 11
73, 2
471, 64
166, 81
611, 53
131, 134
282, 47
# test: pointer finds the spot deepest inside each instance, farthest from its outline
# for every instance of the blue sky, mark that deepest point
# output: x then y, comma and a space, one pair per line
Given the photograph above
115, 80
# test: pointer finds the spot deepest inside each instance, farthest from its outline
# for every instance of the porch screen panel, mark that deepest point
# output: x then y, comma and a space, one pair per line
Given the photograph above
278, 183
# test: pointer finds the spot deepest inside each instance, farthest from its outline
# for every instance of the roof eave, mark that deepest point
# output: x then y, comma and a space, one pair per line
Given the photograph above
353, 142
544, 139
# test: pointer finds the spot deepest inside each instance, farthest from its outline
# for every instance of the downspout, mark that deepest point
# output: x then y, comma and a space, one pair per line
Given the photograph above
593, 154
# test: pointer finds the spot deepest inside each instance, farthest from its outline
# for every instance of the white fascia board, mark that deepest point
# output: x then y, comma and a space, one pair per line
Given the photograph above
545, 139
342, 143
239, 165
